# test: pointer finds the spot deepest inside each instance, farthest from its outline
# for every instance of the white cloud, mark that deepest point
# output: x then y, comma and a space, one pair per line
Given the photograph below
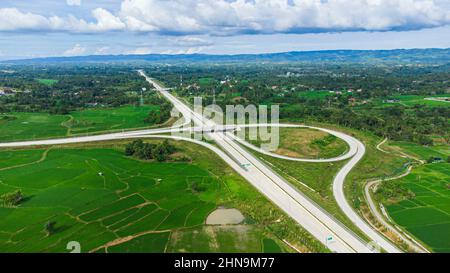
12, 19
228, 17
106, 21
102, 50
73, 2
149, 50
191, 50
271, 16
75, 51
139, 51
190, 41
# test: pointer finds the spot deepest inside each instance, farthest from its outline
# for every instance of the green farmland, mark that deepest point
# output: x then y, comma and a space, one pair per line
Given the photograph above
424, 152
27, 126
92, 120
315, 94
427, 214
48, 82
111, 203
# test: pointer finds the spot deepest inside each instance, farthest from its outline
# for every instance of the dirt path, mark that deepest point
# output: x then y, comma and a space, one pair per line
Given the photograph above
43, 157
65, 124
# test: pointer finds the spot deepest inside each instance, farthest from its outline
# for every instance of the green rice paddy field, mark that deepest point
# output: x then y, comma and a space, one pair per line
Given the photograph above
111, 203
48, 82
427, 215
26, 126
315, 94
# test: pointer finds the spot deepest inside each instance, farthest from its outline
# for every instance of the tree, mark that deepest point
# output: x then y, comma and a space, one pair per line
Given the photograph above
425, 141
163, 150
160, 153
149, 151
146, 151
129, 149
138, 144
154, 117
169, 148
61, 110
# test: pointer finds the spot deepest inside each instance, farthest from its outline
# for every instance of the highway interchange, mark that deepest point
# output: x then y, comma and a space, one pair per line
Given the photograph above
323, 226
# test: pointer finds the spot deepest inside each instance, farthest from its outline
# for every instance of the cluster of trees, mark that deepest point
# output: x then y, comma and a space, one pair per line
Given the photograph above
255, 81
76, 87
396, 122
161, 115
148, 151
12, 199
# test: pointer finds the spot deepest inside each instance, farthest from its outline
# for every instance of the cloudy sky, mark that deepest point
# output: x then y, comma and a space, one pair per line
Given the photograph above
30, 28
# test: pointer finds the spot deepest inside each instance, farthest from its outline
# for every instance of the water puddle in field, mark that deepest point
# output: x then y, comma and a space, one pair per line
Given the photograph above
222, 216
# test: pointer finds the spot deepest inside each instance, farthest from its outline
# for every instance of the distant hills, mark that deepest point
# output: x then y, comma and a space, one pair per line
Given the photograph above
426, 56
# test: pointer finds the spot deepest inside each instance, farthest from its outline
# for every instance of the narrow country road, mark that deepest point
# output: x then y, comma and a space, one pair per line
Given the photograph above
372, 186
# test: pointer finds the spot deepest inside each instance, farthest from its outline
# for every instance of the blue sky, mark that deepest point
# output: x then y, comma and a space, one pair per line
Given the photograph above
30, 28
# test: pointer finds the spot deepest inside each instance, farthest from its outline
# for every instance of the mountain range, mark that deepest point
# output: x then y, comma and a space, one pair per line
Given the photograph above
426, 56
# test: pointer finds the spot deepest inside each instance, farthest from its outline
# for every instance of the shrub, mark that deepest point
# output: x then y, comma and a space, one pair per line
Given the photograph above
12, 199
147, 151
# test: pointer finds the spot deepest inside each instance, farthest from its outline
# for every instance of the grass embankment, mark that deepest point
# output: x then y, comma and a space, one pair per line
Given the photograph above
303, 143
